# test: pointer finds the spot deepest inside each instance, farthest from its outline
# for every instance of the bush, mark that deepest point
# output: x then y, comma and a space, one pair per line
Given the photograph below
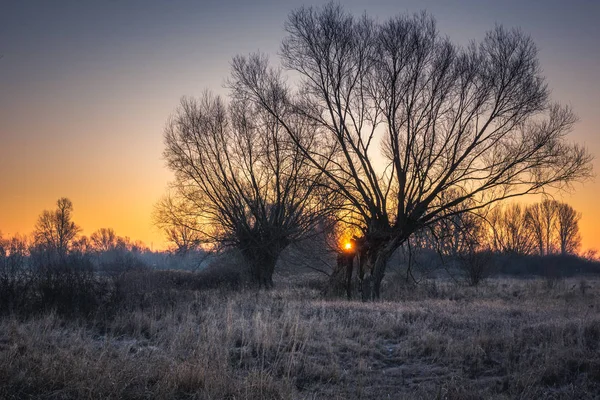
476, 265
118, 260
550, 267
81, 286
224, 271
69, 288
14, 282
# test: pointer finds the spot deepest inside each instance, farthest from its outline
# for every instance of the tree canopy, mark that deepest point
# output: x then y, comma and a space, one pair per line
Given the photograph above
240, 180
411, 127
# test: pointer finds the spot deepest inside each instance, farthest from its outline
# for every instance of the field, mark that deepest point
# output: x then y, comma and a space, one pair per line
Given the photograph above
507, 338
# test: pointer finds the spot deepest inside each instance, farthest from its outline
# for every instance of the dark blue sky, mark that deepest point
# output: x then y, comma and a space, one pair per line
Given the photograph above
86, 88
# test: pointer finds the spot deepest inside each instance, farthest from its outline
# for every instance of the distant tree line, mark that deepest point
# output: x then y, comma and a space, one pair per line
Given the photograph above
56, 241
57, 269
544, 228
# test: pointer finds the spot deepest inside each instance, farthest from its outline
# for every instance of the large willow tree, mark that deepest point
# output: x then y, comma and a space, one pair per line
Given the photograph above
411, 126
240, 180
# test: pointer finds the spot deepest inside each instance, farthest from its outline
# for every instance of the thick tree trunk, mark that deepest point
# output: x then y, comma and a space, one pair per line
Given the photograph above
377, 258
371, 283
261, 263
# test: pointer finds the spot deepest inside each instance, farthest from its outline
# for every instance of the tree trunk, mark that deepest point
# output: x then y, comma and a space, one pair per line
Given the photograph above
371, 284
376, 262
340, 280
262, 265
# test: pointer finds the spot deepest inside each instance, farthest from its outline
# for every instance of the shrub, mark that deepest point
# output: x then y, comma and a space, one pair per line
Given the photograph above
476, 265
69, 288
118, 260
14, 283
550, 267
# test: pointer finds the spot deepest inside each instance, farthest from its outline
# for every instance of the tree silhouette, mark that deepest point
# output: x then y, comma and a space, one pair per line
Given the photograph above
567, 224
542, 228
103, 240
510, 230
240, 181
454, 124
55, 230
178, 220
541, 219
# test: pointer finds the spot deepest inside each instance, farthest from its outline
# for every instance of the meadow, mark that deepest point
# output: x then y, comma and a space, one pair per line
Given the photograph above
167, 334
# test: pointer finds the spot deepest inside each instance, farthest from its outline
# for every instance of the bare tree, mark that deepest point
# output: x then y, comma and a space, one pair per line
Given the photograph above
534, 222
243, 182
13, 251
103, 240
4, 246
178, 220
459, 234
462, 239
124, 243
540, 219
455, 124
549, 213
82, 245
567, 224
510, 231
55, 230
548, 226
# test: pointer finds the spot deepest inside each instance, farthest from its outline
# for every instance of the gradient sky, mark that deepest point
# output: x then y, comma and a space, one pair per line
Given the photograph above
87, 86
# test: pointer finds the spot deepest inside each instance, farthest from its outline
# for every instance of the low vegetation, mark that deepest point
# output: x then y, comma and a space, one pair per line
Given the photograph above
166, 334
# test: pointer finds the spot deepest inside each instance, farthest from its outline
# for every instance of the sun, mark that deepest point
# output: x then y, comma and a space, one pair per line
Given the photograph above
348, 246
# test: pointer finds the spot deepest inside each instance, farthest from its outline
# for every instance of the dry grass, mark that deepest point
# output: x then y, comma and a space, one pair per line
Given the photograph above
506, 339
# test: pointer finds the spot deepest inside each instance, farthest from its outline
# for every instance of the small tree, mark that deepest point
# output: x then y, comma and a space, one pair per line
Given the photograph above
12, 253
177, 219
14, 280
55, 231
103, 240
567, 225
82, 245
541, 219
510, 231
462, 238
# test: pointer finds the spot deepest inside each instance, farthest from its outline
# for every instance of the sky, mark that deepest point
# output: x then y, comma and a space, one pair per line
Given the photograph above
86, 88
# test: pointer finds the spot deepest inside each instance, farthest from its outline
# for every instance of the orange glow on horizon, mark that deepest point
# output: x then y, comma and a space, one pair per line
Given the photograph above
85, 119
